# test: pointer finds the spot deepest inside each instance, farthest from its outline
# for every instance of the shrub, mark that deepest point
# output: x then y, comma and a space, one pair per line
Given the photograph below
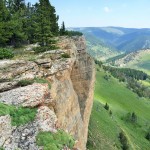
25, 82
148, 136
110, 113
123, 141
65, 55
42, 49
19, 116
106, 106
55, 141
132, 118
42, 80
22, 115
73, 33
6, 53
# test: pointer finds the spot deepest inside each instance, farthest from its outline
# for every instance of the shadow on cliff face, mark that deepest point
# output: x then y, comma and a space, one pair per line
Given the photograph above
81, 77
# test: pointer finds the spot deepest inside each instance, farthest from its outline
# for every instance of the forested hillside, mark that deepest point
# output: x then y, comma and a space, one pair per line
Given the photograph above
138, 60
119, 38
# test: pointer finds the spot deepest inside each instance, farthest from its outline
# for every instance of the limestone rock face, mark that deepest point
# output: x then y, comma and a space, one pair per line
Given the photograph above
67, 105
74, 91
5, 129
29, 96
23, 138
46, 119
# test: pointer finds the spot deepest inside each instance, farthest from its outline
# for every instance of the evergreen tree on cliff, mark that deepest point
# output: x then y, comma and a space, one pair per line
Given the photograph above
62, 29
5, 34
46, 19
21, 23
16, 9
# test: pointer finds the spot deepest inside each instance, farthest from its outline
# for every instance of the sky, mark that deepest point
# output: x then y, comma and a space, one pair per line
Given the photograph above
100, 13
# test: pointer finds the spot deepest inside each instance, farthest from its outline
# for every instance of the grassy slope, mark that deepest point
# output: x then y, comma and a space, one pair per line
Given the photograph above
143, 63
121, 101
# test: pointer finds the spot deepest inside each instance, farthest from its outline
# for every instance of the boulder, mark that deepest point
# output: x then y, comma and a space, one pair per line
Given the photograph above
46, 119
28, 96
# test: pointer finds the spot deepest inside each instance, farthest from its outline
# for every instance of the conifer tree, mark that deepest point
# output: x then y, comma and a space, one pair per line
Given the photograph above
43, 22
62, 29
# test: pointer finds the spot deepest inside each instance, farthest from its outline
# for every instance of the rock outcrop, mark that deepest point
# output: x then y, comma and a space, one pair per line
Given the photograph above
67, 105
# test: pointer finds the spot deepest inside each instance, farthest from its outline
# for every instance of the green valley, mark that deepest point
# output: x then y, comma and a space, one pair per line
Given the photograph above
104, 127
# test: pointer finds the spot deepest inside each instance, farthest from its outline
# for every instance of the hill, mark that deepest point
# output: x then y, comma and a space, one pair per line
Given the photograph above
97, 48
118, 38
137, 60
104, 128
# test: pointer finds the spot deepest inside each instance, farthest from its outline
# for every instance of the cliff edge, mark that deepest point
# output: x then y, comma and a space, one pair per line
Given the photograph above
61, 91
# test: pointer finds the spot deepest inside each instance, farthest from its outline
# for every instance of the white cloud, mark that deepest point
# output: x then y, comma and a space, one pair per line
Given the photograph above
107, 9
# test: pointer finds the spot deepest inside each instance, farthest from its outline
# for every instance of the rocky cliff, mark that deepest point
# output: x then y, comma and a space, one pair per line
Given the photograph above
66, 105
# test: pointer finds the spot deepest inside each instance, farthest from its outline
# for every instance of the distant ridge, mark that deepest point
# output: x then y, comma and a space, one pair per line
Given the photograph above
120, 38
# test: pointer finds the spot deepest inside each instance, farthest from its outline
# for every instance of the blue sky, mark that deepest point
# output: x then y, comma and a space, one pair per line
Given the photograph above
98, 13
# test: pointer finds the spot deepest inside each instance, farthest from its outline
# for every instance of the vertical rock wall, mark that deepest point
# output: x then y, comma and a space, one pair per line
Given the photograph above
67, 105
74, 91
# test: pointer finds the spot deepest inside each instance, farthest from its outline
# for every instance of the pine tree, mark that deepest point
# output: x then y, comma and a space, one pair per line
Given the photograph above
148, 136
43, 22
106, 106
54, 21
62, 29
5, 33
133, 117
20, 23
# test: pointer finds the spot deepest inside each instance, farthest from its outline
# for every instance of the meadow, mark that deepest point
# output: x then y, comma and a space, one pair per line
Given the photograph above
105, 128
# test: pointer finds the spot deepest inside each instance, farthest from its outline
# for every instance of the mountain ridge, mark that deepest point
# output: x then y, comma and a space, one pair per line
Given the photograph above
119, 38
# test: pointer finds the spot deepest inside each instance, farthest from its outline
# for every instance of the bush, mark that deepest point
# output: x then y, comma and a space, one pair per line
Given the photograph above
6, 53
55, 141
148, 136
132, 118
106, 106
42, 49
73, 33
65, 55
25, 82
123, 141
42, 80
19, 116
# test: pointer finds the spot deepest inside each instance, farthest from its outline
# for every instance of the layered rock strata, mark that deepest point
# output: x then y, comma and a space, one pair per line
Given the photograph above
67, 105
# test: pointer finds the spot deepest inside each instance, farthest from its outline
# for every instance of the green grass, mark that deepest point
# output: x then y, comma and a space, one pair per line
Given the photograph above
103, 131
143, 63
121, 101
42, 80
26, 82
19, 115
54, 141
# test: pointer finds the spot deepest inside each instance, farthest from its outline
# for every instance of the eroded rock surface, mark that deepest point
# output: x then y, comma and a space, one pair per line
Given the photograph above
67, 105
46, 119
29, 96
5, 129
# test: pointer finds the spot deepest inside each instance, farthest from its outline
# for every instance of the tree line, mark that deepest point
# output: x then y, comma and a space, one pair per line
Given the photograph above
22, 23
131, 76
